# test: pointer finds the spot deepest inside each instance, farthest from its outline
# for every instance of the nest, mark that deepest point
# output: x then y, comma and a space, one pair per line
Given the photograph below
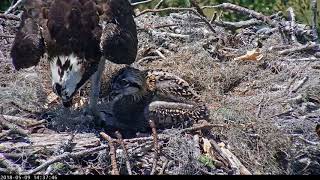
258, 77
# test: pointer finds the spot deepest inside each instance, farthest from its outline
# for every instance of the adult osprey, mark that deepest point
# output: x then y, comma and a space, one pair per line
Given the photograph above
77, 35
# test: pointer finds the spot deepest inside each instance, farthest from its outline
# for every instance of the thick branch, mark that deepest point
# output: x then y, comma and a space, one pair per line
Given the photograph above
51, 142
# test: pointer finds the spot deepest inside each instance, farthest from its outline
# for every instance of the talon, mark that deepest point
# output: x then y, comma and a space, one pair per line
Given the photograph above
98, 120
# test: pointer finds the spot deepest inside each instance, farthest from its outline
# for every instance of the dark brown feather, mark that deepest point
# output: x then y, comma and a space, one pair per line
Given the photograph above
28, 46
119, 36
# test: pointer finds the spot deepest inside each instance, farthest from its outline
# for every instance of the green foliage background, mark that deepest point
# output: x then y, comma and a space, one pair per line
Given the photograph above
268, 7
4, 4
301, 7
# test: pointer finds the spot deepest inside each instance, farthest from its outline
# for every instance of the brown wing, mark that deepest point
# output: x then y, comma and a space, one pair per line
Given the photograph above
167, 114
171, 87
119, 37
28, 46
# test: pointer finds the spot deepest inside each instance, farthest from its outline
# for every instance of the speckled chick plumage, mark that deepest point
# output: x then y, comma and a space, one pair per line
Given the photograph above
168, 100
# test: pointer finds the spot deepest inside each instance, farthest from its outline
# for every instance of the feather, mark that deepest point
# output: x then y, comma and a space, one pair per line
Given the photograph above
119, 35
28, 45
172, 87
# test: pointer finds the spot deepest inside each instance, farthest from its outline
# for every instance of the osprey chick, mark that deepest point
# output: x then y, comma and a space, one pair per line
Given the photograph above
138, 96
77, 35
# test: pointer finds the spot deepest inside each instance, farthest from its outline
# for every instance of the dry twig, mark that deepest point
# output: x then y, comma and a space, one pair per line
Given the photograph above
300, 84
237, 25
9, 17
24, 122
260, 107
119, 136
157, 6
63, 157
14, 6
301, 68
18, 155
172, 9
141, 2
195, 5
115, 170
292, 19
160, 54
169, 34
13, 127
310, 59
147, 59
64, 147
314, 9
300, 136
6, 133
308, 46
156, 146
202, 126
144, 139
10, 166
6, 36
196, 151
164, 166
213, 17
245, 11
157, 26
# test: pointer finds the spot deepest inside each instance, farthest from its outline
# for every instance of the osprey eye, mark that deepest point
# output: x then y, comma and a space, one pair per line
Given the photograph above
124, 82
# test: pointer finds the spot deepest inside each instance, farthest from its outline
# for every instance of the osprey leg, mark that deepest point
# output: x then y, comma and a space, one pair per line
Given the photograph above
95, 89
